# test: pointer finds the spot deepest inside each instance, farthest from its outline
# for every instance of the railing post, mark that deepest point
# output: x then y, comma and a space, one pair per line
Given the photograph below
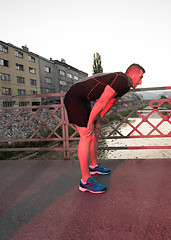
66, 153
65, 130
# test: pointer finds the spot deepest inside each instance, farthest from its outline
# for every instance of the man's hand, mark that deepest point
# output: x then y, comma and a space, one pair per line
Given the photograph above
89, 130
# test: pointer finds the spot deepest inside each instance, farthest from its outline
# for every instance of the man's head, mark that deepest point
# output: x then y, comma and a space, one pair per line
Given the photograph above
135, 72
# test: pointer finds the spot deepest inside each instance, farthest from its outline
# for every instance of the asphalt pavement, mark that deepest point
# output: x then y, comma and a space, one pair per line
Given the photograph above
40, 200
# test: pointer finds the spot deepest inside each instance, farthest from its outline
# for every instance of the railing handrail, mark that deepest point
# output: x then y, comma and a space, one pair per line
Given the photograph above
150, 89
62, 94
33, 95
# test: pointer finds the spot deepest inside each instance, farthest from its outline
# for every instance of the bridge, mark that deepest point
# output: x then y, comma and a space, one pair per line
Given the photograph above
39, 199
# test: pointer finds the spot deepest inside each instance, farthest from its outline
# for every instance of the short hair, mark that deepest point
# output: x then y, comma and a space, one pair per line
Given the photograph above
135, 66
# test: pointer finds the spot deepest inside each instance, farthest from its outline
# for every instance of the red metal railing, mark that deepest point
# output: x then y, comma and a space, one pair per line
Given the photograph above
48, 124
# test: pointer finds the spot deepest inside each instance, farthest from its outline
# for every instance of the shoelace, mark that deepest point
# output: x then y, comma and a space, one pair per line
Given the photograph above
100, 166
93, 183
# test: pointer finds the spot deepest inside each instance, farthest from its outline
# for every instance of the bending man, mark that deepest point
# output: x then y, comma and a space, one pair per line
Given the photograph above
107, 89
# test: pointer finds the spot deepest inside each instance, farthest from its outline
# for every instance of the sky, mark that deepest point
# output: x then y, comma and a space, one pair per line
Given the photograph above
121, 31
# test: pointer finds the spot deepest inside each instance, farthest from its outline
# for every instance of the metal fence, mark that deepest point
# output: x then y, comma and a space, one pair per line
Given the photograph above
45, 127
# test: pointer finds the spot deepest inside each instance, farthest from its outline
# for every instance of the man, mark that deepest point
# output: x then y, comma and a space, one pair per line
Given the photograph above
108, 89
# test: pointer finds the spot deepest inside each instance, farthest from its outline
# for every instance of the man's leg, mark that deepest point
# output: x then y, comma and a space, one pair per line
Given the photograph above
94, 147
96, 168
87, 183
83, 152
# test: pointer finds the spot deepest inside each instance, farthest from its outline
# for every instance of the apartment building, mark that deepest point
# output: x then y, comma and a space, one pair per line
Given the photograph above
48, 76
57, 77
26, 73
19, 74
68, 75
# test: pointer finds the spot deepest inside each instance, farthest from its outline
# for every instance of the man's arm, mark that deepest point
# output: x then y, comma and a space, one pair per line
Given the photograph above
109, 106
101, 104
103, 113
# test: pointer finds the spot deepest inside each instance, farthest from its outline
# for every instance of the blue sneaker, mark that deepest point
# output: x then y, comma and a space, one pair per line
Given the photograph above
92, 186
99, 170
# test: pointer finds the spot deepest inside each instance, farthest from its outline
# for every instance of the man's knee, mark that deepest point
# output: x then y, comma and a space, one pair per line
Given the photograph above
86, 139
84, 136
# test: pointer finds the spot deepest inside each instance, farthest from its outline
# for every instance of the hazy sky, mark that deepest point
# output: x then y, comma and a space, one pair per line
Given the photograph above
121, 31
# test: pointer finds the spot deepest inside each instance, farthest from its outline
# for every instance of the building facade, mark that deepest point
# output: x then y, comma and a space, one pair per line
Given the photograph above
68, 75
25, 73
19, 73
48, 76
56, 76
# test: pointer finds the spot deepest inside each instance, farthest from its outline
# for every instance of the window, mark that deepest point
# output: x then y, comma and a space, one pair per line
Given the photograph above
3, 48
76, 78
32, 70
62, 73
23, 104
70, 84
31, 59
69, 75
48, 90
33, 82
34, 92
19, 67
7, 104
48, 80
18, 54
4, 77
6, 91
21, 92
20, 79
4, 63
63, 83
47, 69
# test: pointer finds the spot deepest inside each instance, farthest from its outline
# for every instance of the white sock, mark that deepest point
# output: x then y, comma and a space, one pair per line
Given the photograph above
94, 166
83, 181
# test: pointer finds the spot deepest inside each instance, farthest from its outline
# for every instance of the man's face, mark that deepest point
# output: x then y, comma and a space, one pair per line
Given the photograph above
138, 79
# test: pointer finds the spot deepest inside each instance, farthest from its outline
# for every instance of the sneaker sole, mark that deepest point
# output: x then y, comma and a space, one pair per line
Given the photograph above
100, 173
88, 190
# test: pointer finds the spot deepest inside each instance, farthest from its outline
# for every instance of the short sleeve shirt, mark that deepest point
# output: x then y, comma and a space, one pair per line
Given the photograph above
77, 99
92, 87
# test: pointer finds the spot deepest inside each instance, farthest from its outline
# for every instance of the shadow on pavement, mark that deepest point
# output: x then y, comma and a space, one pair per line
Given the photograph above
14, 217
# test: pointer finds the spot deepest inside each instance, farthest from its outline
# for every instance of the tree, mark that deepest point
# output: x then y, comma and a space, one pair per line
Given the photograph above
97, 67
